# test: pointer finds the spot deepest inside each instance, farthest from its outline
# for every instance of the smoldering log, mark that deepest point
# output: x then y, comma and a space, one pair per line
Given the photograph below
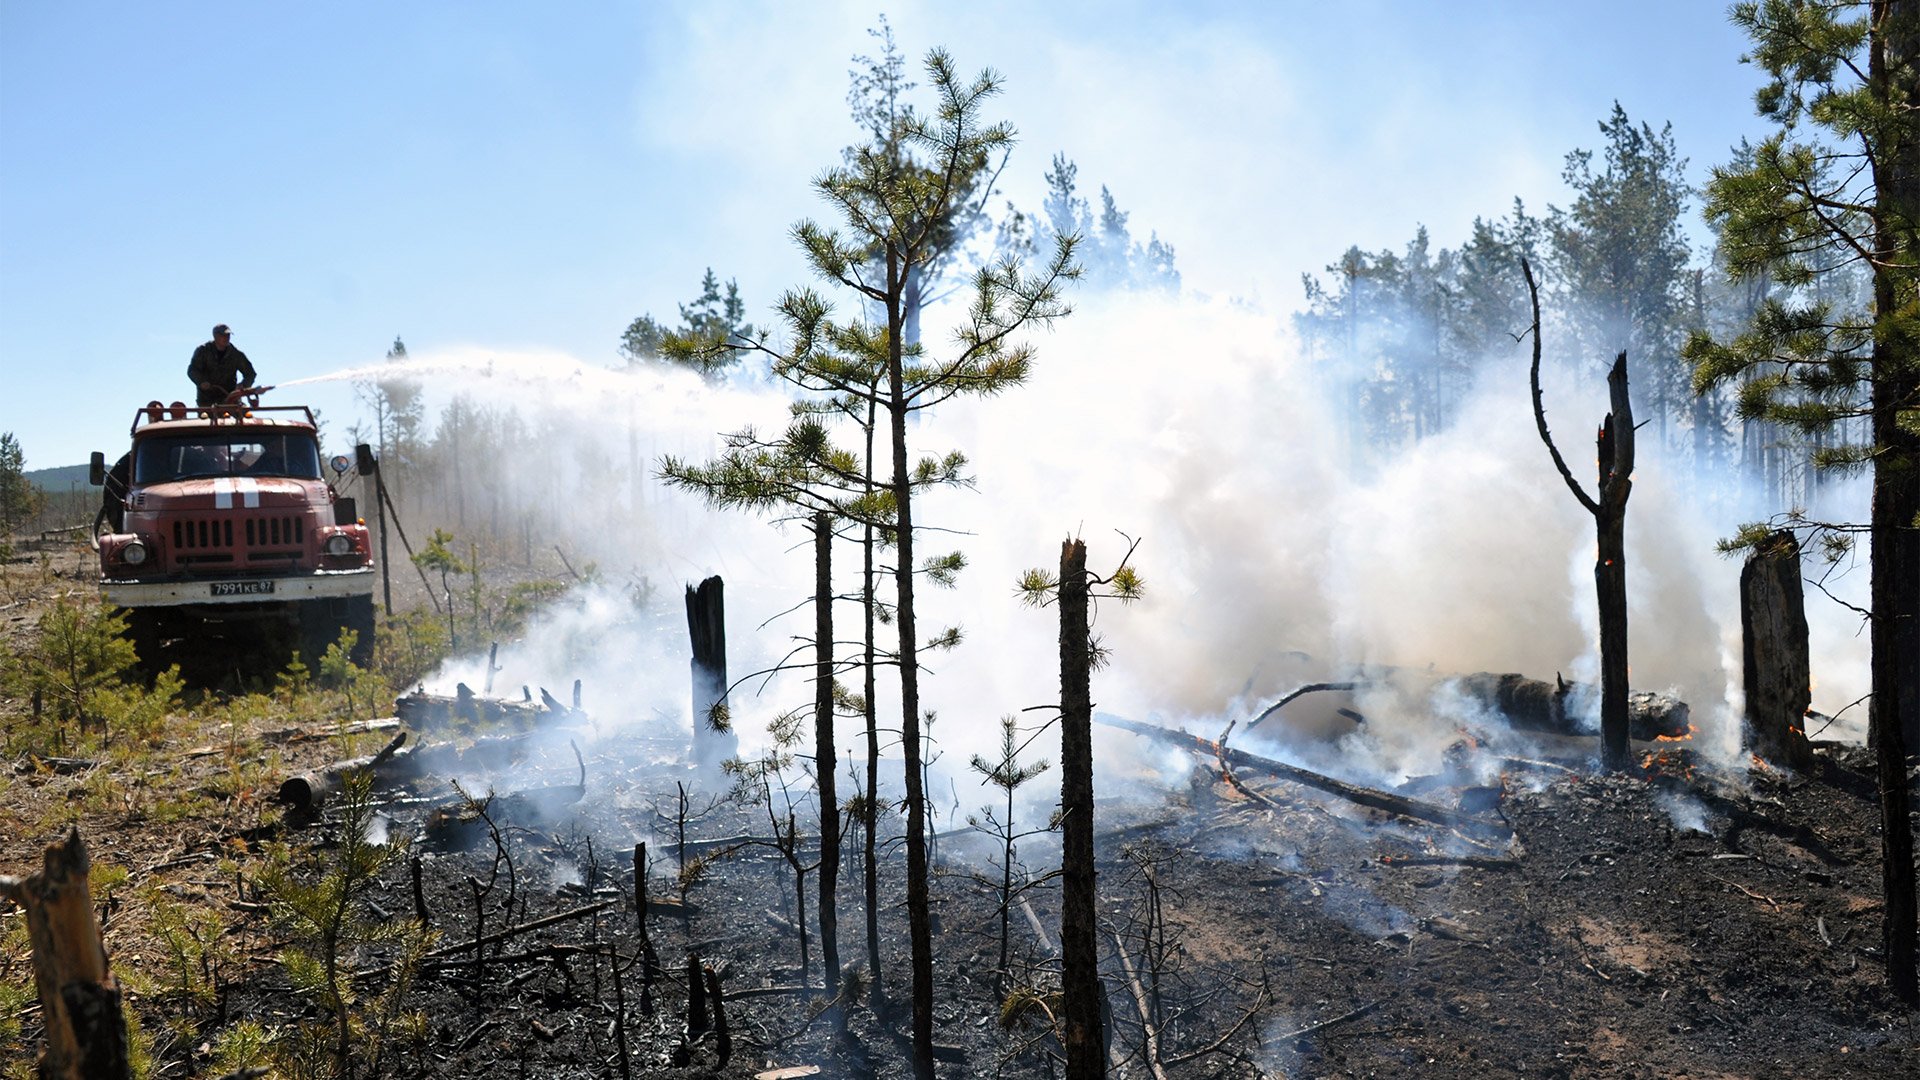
308, 792
80, 1002
423, 710
1364, 796
1535, 705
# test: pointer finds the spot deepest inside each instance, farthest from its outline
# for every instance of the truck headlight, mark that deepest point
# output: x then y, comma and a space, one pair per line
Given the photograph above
134, 553
339, 544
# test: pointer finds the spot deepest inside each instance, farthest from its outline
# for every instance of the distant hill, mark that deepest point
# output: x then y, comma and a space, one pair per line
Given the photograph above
60, 478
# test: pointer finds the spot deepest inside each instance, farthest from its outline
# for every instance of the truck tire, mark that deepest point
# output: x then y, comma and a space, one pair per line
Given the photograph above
360, 621
145, 631
322, 620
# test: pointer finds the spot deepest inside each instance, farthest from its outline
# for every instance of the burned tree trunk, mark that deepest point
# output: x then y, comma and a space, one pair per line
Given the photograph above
1615, 447
1893, 715
870, 805
1609, 512
79, 999
1773, 633
825, 757
713, 738
1079, 947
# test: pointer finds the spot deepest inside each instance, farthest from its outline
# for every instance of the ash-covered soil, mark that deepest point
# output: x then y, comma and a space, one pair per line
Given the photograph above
1678, 924
1683, 923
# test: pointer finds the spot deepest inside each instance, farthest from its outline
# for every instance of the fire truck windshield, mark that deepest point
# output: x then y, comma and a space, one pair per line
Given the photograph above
185, 457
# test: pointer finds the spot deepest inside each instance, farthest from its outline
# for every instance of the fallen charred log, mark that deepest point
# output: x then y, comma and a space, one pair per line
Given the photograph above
308, 792
1364, 796
1526, 704
1535, 705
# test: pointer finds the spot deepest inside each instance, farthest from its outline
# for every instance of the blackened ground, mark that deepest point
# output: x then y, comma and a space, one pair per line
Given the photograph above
1667, 926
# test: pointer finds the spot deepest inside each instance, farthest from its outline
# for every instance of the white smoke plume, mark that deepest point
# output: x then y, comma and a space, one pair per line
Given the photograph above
1197, 427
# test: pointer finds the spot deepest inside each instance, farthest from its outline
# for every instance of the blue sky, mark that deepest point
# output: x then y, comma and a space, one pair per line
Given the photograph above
515, 176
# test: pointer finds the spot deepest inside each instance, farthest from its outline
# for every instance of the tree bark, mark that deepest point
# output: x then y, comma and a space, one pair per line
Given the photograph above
1079, 947
870, 869
919, 919
1773, 633
825, 757
79, 1000
1893, 715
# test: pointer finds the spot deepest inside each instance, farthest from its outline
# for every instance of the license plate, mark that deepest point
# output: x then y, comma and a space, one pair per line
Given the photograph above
241, 588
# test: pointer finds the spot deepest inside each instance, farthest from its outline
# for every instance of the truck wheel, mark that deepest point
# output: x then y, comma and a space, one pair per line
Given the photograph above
317, 626
360, 621
145, 632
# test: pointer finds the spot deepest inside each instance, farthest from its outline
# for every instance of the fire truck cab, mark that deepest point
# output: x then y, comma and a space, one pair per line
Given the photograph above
228, 527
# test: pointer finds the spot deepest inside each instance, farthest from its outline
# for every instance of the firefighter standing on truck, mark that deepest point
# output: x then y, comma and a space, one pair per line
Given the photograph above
218, 369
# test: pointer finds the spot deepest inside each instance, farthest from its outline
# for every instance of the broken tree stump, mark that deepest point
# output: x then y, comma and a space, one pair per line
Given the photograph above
1773, 634
713, 738
697, 1020
79, 1000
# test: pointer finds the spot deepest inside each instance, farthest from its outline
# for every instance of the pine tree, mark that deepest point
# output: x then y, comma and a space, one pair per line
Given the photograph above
1008, 773
398, 412
897, 214
1836, 185
1621, 257
712, 335
876, 96
1108, 254
19, 499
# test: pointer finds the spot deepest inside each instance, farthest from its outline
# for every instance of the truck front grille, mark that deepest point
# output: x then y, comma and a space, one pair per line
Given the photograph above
188, 535
274, 531
256, 532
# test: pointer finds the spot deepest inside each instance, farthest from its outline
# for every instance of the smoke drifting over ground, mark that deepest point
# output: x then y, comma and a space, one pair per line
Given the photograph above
1271, 558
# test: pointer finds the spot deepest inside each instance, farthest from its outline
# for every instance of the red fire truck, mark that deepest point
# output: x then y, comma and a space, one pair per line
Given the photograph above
221, 524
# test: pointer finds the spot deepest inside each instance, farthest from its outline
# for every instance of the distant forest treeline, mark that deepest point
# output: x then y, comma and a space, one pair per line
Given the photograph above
1405, 332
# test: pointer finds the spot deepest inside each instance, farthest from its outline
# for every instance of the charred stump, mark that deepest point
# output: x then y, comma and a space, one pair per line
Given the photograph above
1079, 946
80, 1002
713, 738
1773, 632
698, 1020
